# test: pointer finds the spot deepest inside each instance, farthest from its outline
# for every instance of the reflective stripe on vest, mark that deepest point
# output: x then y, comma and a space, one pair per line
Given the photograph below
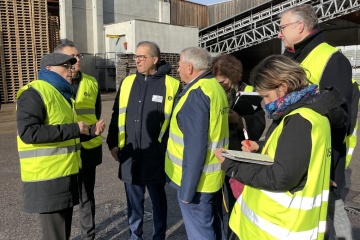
44, 161
315, 63
85, 106
171, 85
211, 178
283, 215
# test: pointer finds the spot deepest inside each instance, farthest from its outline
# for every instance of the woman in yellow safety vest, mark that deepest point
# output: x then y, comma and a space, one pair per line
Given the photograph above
244, 113
287, 199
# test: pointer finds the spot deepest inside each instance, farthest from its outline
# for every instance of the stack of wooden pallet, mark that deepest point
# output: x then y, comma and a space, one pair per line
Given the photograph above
54, 31
23, 41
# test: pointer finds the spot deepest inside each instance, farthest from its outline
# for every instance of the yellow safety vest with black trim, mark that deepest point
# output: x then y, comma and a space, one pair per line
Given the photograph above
212, 177
315, 63
171, 85
85, 106
261, 214
46, 161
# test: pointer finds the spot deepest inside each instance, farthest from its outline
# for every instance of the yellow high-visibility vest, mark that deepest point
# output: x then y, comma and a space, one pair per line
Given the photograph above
262, 214
45, 161
212, 177
172, 86
315, 63
85, 106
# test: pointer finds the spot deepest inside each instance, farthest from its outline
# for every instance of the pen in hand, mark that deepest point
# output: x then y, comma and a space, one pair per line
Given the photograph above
247, 139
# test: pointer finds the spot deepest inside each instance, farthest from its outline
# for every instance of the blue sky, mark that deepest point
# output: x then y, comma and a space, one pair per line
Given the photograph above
207, 2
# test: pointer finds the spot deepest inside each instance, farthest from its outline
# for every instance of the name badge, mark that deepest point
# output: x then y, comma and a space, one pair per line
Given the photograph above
156, 98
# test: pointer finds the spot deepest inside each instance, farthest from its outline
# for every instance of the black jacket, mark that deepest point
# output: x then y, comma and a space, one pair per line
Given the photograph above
89, 157
337, 73
292, 156
142, 159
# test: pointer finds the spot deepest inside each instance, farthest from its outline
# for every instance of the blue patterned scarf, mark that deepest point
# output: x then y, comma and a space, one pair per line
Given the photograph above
63, 86
279, 105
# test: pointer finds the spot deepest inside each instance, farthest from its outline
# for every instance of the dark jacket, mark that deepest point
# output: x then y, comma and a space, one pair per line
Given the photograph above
51, 195
337, 73
89, 157
292, 156
142, 159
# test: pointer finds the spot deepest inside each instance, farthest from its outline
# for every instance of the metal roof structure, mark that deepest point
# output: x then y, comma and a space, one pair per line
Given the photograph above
261, 24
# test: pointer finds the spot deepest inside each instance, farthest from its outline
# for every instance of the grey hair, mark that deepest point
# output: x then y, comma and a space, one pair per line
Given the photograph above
304, 13
198, 57
59, 48
154, 48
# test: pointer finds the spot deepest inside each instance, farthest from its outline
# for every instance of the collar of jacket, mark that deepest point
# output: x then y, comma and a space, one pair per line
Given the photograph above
329, 103
303, 48
205, 75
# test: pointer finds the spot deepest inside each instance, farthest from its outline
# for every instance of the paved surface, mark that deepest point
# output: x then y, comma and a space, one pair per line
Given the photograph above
109, 193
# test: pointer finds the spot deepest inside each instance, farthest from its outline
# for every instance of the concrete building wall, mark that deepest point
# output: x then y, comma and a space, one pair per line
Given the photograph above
170, 38
124, 10
81, 22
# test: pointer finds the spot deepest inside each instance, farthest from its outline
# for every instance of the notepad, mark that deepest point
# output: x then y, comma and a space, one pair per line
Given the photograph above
246, 103
241, 156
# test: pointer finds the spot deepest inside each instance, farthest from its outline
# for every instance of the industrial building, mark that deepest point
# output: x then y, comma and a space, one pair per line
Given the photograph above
107, 31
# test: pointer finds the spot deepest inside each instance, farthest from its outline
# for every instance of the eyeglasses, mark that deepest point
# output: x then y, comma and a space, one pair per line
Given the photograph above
282, 27
79, 56
140, 57
68, 66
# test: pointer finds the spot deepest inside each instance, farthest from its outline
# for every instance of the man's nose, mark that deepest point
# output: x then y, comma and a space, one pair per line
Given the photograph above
280, 35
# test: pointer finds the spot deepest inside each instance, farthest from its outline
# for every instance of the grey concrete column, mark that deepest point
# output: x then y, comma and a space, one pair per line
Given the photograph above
66, 20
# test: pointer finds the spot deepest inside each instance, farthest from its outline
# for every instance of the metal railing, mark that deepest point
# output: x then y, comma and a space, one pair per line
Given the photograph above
263, 26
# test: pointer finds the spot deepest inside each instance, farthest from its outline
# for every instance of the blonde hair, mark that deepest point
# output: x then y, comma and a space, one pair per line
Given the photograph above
275, 70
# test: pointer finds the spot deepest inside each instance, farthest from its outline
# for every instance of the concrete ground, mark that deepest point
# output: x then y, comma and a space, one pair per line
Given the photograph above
111, 222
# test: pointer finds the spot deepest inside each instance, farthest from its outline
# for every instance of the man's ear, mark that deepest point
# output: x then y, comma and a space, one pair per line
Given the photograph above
301, 27
190, 68
155, 60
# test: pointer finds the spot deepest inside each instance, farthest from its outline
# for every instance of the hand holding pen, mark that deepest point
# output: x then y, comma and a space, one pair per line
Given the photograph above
247, 145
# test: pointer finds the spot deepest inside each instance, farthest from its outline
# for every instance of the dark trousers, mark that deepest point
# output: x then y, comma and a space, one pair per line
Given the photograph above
87, 202
202, 217
56, 225
135, 196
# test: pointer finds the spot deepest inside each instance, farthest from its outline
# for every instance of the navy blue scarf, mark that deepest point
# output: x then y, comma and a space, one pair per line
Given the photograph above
63, 86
